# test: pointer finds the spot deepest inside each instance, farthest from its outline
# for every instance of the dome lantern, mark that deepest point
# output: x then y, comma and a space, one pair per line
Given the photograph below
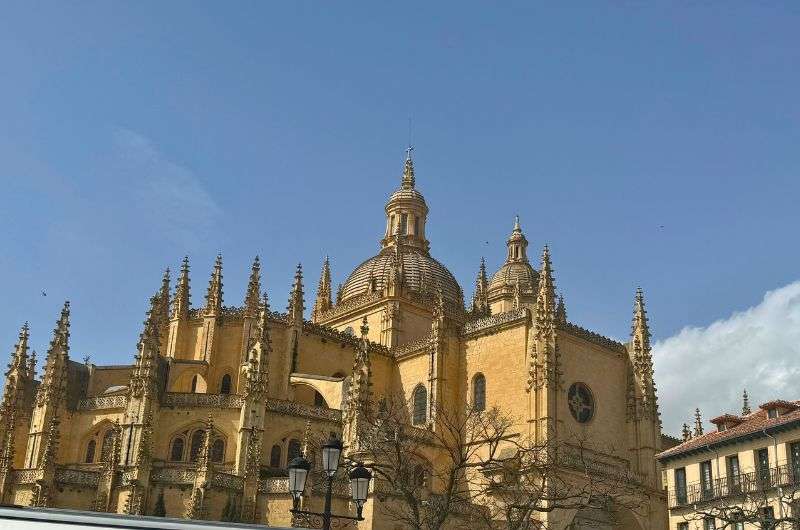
406, 212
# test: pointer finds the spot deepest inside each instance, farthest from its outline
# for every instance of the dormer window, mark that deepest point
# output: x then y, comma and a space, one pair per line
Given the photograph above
772, 413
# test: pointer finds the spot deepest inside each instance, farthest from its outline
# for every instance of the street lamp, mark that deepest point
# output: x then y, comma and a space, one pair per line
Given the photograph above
359, 483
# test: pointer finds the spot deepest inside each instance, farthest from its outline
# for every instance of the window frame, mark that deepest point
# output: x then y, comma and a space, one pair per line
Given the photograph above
419, 406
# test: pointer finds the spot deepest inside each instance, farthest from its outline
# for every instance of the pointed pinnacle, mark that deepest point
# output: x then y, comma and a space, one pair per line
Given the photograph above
408, 180
253, 288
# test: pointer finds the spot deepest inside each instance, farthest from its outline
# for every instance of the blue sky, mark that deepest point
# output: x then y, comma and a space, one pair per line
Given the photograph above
651, 144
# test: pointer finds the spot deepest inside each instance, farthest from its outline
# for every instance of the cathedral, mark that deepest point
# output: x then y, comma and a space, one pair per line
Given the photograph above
218, 399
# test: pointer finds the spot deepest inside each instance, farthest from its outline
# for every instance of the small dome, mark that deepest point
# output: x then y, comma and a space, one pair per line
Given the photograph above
422, 274
406, 194
511, 272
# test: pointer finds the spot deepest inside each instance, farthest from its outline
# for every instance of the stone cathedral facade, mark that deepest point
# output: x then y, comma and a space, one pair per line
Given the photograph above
219, 398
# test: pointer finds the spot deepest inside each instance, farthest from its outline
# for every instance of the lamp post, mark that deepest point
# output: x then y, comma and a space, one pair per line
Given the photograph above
359, 483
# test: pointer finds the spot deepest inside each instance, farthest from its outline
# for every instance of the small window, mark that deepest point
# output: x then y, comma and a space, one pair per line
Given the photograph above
176, 452
762, 461
295, 450
416, 225
403, 224
706, 480
768, 517
708, 523
680, 486
420, 402
734, 475
225, 385
772, 413
218, 450
275, 456
194, 385
197, 445
479, 392
90, 451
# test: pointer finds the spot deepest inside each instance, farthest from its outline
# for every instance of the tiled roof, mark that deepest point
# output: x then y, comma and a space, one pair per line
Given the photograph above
752, 424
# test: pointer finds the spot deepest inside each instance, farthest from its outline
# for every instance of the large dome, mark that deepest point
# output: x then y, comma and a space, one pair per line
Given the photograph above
510, 273
422, 274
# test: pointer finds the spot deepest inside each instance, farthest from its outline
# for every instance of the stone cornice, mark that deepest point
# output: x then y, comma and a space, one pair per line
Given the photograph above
486, 323
591, 336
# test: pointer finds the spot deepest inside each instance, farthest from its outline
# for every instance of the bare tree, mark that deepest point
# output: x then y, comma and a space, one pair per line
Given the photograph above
768, 501
472, 468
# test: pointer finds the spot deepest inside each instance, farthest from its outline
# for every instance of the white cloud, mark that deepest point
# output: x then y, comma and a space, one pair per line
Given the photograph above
757, 349
171, 197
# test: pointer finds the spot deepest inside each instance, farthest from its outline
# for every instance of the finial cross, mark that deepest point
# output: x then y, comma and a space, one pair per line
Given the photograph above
408, 151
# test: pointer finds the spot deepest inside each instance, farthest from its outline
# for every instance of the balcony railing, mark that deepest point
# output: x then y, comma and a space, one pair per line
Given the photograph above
752, 482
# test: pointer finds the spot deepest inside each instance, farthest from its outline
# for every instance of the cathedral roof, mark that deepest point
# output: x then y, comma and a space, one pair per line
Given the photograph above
422, 274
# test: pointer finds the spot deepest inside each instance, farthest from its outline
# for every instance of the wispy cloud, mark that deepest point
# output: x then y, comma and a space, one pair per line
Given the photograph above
757, 349
173, 199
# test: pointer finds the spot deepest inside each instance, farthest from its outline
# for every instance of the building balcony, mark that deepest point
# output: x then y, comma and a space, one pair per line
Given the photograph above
743, 483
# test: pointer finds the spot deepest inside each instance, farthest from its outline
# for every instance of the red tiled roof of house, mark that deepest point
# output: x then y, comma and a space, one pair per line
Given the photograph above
751, 424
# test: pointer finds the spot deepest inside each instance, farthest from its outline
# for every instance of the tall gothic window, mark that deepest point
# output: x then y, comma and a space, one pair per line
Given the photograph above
176, 451
275, 456
420, 403
194, 384
197, 444
218, 450
90, 452
225, 385
479, 392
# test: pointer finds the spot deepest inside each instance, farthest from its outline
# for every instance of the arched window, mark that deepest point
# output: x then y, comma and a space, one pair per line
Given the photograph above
294, 450
420, 401
90, 452
108, 442
225, 385
218, 450
479, 392
176, 451
194, 385
197, 444
275, 456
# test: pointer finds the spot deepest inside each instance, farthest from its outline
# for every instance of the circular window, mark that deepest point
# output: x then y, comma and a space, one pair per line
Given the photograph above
581, 402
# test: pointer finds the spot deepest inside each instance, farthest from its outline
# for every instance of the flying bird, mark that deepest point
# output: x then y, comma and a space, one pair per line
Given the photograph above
44, 293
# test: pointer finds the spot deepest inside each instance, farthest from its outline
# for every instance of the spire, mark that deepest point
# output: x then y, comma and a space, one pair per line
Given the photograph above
408, 170
639, 329
163, 299
296, 298
323, 301
698, 423
251, 299
144, 380
561, 310
19, 357
54, 379
480, 300
546, 298
214, 295
687, 433
180, 305
745, 403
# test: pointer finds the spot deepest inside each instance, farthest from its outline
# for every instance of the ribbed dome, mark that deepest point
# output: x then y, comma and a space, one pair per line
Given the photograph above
508, 275
422, 274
